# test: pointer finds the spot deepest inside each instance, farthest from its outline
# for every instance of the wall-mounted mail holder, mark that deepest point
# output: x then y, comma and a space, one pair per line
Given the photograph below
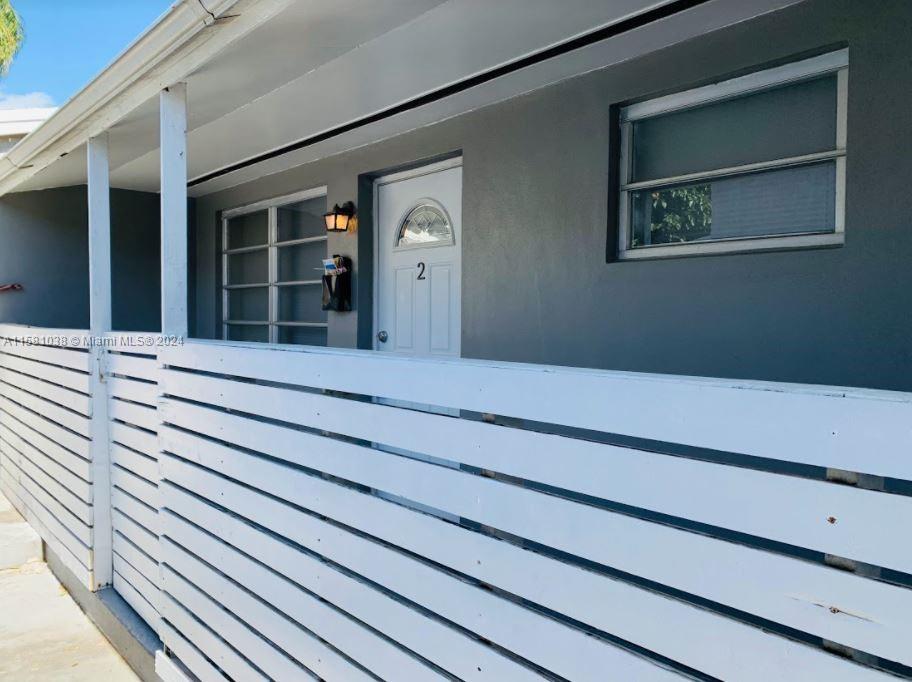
337, 283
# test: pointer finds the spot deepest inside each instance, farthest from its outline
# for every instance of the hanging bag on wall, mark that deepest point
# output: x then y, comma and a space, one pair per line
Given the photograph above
337, 283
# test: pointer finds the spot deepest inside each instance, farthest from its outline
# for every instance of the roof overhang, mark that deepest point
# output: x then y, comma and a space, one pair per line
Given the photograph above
277, 83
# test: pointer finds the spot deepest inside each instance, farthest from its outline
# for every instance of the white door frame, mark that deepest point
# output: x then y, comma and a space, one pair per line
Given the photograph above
427, 169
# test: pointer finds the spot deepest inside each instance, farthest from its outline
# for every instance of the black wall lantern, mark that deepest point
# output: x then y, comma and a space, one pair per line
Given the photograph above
340, 218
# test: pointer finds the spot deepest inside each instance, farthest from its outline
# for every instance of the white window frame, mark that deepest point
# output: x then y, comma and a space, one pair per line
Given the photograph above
272, 245
833, 62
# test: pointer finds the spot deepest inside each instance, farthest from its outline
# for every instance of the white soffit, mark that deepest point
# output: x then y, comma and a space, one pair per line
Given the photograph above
318, 65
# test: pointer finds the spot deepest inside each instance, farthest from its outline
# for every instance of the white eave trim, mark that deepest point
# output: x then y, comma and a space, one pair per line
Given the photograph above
170, 49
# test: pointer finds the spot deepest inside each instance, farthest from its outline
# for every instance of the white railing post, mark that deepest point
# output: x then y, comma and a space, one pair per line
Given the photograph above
173, 146
99, 204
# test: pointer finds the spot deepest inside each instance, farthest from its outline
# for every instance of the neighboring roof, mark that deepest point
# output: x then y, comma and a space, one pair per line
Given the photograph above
23, 121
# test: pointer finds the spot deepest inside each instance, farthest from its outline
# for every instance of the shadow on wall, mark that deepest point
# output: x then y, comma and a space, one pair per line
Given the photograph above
44, 247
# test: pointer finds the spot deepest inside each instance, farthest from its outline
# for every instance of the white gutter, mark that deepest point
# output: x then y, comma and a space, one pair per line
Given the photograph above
180, 41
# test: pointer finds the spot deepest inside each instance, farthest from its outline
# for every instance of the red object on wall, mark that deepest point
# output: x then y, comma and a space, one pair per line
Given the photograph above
10, 287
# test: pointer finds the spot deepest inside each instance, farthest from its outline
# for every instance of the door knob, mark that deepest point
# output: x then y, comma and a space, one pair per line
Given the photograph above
382, 336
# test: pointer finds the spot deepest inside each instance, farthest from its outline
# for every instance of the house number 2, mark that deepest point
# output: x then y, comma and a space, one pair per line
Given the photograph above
421, 271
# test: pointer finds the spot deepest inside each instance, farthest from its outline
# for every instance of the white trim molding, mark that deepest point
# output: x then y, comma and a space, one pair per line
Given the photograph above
833, 62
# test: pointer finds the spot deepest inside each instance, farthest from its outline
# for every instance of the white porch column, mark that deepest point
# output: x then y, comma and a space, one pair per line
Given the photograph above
99, 202
173, 146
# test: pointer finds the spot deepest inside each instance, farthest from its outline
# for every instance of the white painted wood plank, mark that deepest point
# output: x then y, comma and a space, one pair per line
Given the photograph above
77, 465
173, 165
131, 413
16, 495
137, 534
43, 336
78, 402
138, 343
137, 558
374, 653
79, 487
99, 205
78, 445
462, 656
190, 656
130, 366
787, 509
135, 439
785, 590
218, 647
136, 486
139, 464
126, 589
80, 509
145, 516
71, 358
854, 429
168, 669
137, 391
53, 527
76, 381
74, 525
71, 420
146, 589
261, 618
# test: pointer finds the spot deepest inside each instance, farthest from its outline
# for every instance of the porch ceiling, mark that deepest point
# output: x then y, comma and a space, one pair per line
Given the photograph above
318, 64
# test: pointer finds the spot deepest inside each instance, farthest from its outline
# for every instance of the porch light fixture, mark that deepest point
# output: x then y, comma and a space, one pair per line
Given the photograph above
339, 219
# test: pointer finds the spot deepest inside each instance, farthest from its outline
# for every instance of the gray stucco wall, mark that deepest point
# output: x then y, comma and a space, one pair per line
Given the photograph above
44, 247
535, 199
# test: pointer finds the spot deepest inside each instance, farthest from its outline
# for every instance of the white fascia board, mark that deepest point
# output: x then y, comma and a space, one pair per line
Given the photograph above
182, 40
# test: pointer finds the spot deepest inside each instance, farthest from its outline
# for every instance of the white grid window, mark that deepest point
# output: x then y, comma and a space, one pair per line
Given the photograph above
752, 163
272, 255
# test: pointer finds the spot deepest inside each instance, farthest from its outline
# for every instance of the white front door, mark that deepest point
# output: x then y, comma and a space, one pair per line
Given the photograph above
419, 244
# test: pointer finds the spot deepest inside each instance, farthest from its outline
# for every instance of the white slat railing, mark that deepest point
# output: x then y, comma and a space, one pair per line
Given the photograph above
131, 371
45, 440
605, 525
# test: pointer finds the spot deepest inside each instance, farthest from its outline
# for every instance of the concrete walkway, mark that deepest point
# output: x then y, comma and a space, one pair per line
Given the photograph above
44, 636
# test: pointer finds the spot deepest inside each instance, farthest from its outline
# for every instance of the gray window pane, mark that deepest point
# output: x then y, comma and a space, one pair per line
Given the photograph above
785, 201
308, 336
786, 121
302, 303
251, 229
248, 304
301, 261
248, 332
251, 267
301, 219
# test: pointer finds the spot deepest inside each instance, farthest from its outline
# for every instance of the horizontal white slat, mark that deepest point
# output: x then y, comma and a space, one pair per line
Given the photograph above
137, 343
137, 558
784, 508
137, 486
462, 656
78, 402
79, 445
59, 415
64, 475
136, 439
168, 669
79, 533
67, 378
190, 656
666, 626
131, 413
137, 534
274, 626
853, 429
130, 389
139, 464
139, 512
64, 357
130, 366
131, 595
232, 630
36, 518
76, 506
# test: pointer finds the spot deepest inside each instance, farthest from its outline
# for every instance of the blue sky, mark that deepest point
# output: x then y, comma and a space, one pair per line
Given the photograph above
68, 42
